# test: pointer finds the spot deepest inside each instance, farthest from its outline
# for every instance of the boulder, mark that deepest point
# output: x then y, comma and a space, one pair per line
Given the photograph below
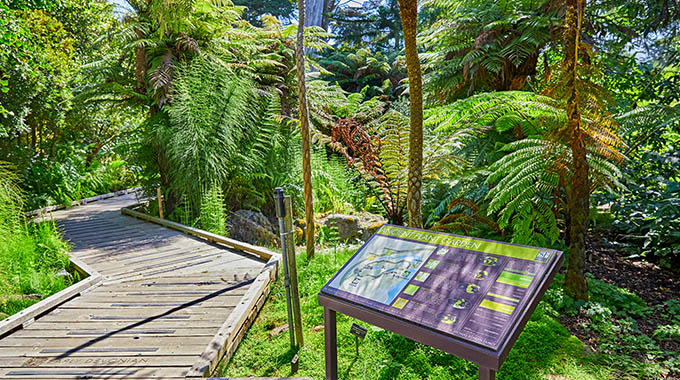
369, 229
348, 226
252, 227
354, 227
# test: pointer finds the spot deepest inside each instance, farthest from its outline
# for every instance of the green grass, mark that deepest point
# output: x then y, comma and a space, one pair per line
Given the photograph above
544, 348
30, 258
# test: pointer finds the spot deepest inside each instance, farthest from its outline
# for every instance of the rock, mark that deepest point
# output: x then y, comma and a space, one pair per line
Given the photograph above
63, 273
252, 227
278, 331
317, 328
354, 227
348, 226
369, 230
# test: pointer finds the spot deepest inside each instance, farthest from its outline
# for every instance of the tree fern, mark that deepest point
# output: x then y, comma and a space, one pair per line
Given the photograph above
526, 181
476, 46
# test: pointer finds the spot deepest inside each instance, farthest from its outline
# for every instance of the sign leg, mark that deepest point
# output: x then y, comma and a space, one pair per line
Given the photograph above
331, 336
486, 374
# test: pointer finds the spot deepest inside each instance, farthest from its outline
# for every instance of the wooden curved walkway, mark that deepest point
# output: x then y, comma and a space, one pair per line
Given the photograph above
169, 305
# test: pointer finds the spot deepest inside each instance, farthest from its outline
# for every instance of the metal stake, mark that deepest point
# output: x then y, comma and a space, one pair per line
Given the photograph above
281, 214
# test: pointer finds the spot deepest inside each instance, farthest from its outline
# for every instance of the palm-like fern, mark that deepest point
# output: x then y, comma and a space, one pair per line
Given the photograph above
378, 150
477, 46
378, 73
205, 131
527, 182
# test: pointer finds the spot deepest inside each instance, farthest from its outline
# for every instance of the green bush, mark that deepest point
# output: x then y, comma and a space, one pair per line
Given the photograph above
31, 255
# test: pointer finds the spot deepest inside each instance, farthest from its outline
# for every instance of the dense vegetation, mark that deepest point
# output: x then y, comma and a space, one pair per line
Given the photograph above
33, 258
541, 122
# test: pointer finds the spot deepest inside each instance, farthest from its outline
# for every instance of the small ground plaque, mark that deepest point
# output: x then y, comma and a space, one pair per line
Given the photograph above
467, 296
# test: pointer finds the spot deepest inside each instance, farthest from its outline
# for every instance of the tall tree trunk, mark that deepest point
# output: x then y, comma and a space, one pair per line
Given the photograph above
314, 13
328, 7
575, 284
304, 125
409, 19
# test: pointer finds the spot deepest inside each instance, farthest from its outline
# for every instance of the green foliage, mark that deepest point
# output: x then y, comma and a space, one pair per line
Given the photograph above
377, 147
334, 185
620, 301
477, 46
528, 176
255, 9
31, 255
211, 112
668, 332
370, 73
648, 213
375, 24
213, 215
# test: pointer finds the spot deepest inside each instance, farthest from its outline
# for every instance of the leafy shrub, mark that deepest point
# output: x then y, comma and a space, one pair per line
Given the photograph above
213, 213
31, 255
334, 185
650, 218
667, 332
621, 301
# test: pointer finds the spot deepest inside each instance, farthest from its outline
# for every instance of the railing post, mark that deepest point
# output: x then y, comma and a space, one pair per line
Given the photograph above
160, 202
292, 269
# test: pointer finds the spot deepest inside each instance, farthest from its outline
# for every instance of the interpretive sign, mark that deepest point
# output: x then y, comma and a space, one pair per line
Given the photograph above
473, 291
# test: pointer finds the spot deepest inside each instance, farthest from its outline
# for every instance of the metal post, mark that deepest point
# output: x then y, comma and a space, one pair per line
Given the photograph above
281, 214
292, 269
330, 332
486, 373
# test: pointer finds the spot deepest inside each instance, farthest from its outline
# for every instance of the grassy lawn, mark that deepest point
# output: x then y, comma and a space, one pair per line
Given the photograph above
31, 258
545, 350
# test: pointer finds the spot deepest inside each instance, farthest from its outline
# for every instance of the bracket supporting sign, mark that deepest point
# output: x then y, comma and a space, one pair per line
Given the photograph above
466, 296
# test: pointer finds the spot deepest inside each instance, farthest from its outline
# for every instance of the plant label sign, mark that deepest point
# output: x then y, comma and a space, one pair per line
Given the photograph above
474, 291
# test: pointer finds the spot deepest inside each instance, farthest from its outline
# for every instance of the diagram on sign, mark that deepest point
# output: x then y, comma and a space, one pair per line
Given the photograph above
383, 269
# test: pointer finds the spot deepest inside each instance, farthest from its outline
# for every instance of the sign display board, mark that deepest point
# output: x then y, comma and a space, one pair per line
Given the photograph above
471, 289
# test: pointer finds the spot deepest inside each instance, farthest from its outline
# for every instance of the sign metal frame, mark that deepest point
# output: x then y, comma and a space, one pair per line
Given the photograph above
489, 360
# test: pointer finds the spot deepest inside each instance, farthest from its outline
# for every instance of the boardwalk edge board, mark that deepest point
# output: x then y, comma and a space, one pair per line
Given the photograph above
260, 252
82, 201
234, 328
17, 321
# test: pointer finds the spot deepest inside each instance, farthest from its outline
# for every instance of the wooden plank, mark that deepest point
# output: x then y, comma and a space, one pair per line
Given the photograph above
258, 251
97, 362
66, 315
215, 351
114, 324
88, 373
16, 320
182, 349
114, 341
95, 331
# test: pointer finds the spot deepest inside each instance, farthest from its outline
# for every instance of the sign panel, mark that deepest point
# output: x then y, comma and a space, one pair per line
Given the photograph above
469, 288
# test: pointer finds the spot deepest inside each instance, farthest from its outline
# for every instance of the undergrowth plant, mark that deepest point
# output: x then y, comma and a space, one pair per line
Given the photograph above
213, 213
31, 254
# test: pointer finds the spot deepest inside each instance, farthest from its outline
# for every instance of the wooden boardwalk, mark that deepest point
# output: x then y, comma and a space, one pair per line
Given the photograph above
169, 304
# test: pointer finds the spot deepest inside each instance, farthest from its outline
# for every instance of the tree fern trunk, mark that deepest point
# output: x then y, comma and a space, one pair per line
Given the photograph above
575, 283
304, 125
409, 19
